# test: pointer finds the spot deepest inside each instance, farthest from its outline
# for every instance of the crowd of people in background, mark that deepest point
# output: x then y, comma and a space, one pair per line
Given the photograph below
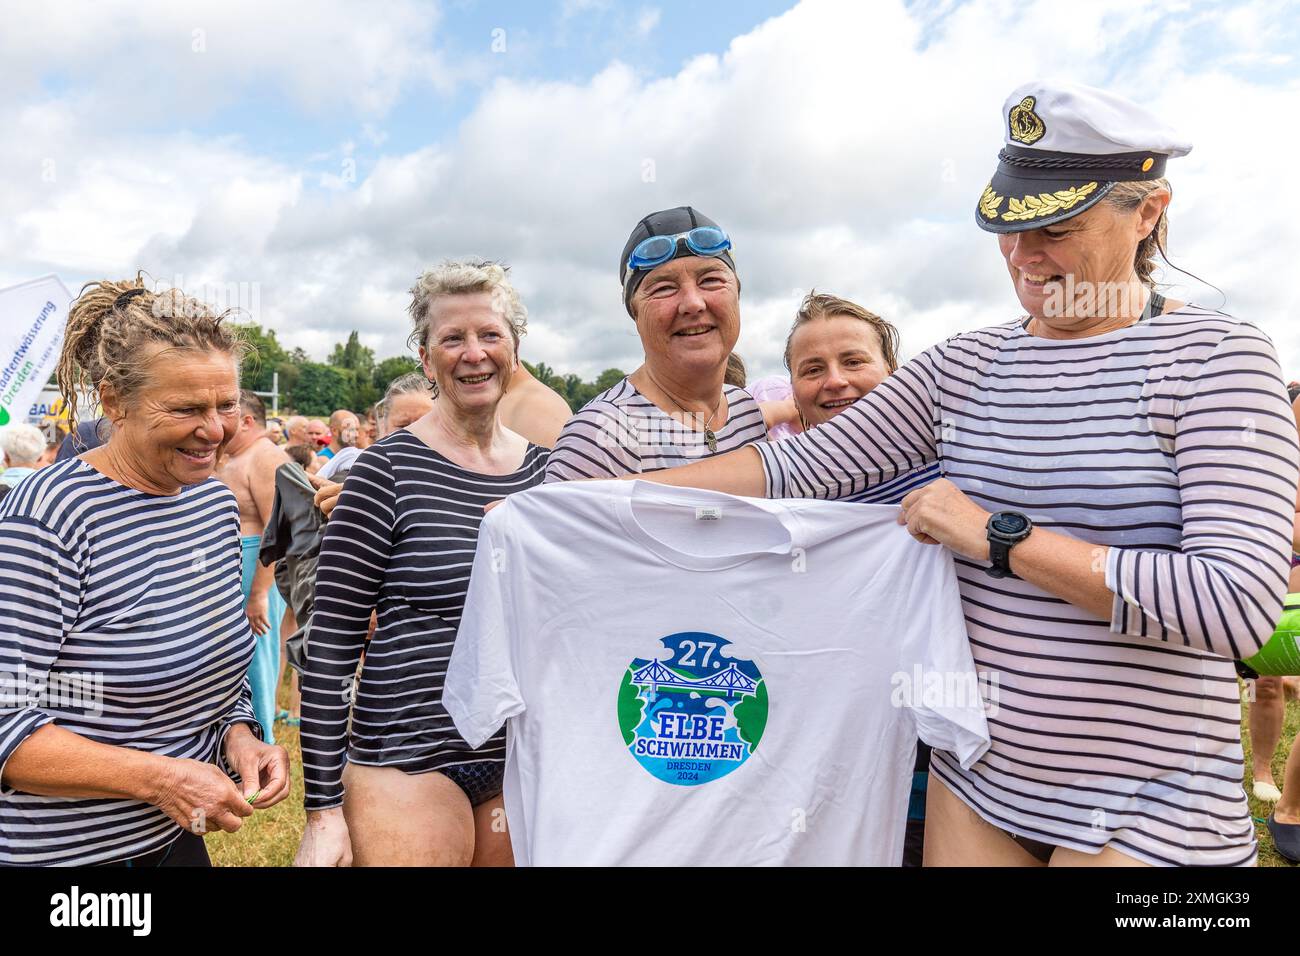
198, 549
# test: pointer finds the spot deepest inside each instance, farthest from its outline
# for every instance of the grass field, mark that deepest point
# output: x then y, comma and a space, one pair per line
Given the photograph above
270, 837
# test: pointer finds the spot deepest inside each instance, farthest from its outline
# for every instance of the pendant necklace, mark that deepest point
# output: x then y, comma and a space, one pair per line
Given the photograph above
710, 438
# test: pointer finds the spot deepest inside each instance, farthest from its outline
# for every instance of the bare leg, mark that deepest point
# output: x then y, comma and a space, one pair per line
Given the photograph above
1266, 714
491, 835
955, 835
287, 630
401, 819
1287, 810
288, 627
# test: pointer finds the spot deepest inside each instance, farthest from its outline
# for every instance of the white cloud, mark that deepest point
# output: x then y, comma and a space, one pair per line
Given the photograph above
174, 63
647, 20
842, 144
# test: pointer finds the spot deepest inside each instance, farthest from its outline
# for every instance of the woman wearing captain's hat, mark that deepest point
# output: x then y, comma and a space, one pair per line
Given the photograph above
1118, 494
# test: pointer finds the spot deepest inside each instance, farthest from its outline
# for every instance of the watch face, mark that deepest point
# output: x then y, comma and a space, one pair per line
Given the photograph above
1009, 523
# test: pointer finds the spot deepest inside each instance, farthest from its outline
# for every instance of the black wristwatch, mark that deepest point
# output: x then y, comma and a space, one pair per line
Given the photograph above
1006, 529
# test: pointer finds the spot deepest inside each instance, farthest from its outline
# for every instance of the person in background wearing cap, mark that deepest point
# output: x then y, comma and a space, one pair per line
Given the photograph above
681, 289
1119, 487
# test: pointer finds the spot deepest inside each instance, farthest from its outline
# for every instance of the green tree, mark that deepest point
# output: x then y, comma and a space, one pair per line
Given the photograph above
359, 362
354, 357
608, 379
322, 389
392, 368
573, 391
265, 358
289, 373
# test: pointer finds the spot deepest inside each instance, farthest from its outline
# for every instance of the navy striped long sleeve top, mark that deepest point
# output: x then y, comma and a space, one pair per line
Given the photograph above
121, 620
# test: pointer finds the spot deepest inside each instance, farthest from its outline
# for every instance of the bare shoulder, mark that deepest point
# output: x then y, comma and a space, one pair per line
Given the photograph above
537, 412
551, 395
268, 456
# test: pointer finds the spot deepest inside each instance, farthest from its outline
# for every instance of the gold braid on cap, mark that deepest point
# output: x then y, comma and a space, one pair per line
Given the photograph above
1045, 204
989, 203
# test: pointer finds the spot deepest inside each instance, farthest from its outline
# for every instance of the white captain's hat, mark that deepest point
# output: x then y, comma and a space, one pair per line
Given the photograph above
1066, 147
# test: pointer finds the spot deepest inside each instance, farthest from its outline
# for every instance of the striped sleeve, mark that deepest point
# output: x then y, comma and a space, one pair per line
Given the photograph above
597, 442
882, 435
354, 557
40, 592
1236, 463
241, 713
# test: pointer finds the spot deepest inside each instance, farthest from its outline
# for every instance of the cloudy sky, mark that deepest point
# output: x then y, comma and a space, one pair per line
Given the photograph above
311, 158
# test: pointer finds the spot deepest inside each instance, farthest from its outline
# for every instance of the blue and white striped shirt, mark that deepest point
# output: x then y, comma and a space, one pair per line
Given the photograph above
121, 620
1170, 443
893, 491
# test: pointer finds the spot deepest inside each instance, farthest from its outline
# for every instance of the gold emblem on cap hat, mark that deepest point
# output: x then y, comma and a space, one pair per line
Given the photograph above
989, 202
1026, 127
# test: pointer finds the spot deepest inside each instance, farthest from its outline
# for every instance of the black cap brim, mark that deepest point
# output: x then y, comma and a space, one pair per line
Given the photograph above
1033, 188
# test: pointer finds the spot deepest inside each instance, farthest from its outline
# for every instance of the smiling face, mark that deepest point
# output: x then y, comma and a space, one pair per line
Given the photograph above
688, 315
172, 429
468, 351
1094, 249
834, 361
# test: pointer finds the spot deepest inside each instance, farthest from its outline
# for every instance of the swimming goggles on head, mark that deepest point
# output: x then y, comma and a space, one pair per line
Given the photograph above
707, 241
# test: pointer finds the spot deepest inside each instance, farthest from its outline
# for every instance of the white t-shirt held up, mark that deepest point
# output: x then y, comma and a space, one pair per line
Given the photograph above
691, 678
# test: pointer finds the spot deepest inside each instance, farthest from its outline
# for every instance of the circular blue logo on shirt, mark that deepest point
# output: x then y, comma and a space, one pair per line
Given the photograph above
695, 714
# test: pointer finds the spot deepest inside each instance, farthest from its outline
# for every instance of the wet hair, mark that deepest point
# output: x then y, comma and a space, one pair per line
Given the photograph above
1127, 196
735, 374
819, 305
465, 277
110, 326
252, 404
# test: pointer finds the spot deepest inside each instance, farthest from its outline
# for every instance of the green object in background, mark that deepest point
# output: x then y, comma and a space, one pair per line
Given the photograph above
1280, 655
4, 415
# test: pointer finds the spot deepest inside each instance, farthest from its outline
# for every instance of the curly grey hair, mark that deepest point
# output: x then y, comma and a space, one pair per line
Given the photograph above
465, 277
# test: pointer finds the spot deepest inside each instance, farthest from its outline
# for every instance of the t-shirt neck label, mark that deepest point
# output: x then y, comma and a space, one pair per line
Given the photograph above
706, 530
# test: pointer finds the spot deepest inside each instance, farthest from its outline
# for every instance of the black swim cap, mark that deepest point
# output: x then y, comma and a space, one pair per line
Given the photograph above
666, 222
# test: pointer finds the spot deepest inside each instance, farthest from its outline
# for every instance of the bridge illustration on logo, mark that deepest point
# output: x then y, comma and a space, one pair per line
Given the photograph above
655, 675
695, 715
